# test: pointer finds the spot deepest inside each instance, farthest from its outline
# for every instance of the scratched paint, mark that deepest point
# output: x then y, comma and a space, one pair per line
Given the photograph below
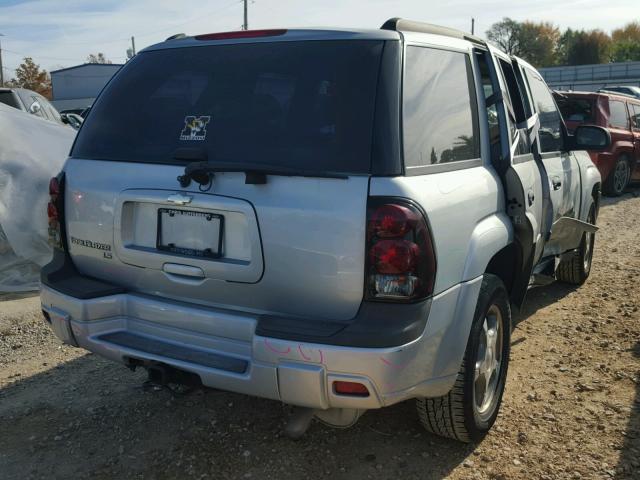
275, 350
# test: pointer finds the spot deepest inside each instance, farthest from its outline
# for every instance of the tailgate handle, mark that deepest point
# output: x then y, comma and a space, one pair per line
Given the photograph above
183, 270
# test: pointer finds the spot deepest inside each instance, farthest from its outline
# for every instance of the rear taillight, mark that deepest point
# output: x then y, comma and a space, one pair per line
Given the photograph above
54, 211
401, 262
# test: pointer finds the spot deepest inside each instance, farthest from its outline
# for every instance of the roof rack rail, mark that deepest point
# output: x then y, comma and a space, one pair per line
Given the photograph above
177, 36
400, 24
614, 92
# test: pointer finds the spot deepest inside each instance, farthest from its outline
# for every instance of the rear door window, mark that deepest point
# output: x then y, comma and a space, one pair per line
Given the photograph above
439, 108
9, 99
618, 117
550, 121
306, 105
635, 115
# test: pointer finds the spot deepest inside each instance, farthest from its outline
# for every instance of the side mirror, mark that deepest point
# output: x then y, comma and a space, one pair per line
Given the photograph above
589, 137
35, 108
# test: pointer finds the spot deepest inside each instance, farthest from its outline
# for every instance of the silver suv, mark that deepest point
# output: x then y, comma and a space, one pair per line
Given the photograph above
336, 219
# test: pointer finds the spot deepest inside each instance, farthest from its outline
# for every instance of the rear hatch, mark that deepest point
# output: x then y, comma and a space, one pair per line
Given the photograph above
290, 244
576, 111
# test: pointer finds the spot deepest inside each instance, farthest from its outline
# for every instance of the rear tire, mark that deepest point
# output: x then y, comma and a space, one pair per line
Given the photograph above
469, 410
619, 178
576, 269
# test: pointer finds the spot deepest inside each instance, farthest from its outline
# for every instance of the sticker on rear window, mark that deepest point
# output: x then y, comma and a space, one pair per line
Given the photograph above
195, 128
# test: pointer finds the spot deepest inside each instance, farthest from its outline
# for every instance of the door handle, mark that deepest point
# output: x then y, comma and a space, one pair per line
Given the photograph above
530, 197
557, 183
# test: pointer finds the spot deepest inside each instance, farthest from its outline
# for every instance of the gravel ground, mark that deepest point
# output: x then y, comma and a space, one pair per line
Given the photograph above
571, 408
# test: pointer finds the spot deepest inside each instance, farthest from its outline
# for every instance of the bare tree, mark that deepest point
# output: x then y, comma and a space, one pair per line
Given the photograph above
97, 58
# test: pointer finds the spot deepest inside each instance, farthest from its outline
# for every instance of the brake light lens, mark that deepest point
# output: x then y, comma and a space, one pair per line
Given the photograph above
401, 262
54, 210
241, 34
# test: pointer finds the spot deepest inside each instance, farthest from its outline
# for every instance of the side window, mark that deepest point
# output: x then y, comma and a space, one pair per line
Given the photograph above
517, 103
514, 90
635, 119
618, 114
550, 120
439, 109
491, 111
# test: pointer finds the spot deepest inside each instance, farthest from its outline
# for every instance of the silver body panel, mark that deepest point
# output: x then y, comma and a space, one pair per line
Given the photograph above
276, 236
293, 247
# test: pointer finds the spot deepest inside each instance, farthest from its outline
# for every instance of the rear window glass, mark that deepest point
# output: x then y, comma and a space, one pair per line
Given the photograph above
8, 99
306, 105
579, 110
440, 119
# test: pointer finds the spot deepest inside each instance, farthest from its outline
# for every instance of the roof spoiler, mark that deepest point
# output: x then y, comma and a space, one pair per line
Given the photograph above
402, 25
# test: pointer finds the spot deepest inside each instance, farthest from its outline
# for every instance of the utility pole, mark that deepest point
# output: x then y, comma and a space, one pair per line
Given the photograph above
1, 68
245, 25
473, 24
133, 45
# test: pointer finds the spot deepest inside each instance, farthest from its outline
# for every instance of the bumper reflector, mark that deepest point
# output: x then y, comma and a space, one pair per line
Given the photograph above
350, 388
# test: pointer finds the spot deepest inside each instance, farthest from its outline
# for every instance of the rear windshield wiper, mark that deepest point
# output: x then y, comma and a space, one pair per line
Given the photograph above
256, 174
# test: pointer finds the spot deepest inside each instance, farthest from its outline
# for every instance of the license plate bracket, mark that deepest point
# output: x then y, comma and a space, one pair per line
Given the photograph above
190, 233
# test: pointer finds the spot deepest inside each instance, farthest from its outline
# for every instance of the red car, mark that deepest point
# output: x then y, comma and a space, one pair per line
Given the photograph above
620, 114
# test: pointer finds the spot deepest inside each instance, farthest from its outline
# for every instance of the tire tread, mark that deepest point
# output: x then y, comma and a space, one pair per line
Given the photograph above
444, 415
570, 270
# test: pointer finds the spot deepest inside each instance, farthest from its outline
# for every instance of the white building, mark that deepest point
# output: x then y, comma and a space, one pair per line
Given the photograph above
77, 87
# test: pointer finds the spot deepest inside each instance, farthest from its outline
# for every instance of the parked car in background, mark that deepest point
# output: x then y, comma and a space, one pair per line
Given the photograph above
72, 119
625, 89
31, 102
620, 114
31, 150
77, 111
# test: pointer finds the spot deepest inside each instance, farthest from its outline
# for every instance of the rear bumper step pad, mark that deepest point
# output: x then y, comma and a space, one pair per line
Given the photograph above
176, 352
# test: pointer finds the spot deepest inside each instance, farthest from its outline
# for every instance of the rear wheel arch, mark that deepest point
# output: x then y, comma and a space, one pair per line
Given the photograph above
596, 195
504, 265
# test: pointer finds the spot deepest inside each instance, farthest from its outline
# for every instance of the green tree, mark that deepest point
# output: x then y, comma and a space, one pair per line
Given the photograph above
506, 35
564, 44
626, 43
535, 42
29, 75
538, 43
589, 47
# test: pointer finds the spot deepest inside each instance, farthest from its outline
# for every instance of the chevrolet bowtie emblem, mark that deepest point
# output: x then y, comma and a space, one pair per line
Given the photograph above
179, 199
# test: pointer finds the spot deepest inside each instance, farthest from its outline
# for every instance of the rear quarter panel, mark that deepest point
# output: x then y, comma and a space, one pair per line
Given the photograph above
589, 178
465, 210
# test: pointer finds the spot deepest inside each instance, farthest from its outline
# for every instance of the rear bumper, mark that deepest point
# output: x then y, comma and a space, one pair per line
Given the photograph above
224, 350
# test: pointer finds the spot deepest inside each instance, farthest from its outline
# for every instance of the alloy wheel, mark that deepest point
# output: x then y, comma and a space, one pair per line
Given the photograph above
621, 176
488, 362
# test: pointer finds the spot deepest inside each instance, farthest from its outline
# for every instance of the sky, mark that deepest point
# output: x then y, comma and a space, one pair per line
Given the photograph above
62, 33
